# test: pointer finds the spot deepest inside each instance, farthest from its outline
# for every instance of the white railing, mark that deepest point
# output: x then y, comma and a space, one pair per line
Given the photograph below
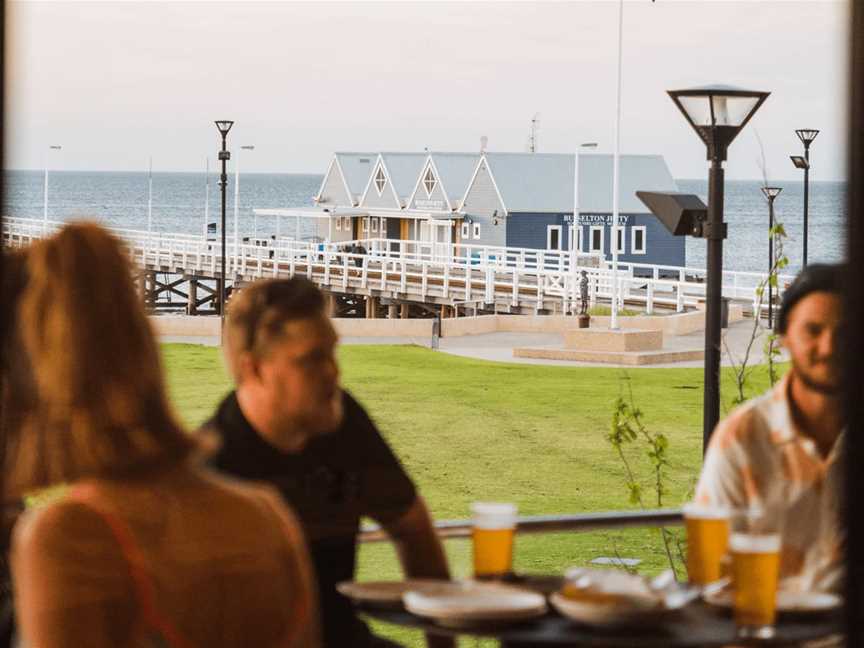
456, 273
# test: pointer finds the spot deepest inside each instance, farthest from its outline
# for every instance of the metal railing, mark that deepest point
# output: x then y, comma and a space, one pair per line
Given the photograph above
551, 524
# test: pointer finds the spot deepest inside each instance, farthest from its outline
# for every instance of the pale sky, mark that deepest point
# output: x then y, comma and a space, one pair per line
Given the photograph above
115, 83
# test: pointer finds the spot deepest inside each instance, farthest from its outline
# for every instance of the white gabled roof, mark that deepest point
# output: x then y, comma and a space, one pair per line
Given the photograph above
403, 169
356, 170
455, 171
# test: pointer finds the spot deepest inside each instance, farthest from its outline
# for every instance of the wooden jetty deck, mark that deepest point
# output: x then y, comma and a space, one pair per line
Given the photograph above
402, 275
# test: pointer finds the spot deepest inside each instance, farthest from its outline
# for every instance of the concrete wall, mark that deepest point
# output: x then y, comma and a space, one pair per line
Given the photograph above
185, 325
678, 324
355, 327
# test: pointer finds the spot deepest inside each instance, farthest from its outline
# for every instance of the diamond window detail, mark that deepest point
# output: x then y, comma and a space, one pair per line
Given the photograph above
429, 182
380, 180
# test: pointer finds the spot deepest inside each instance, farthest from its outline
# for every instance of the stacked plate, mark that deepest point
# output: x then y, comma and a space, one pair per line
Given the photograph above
452, 604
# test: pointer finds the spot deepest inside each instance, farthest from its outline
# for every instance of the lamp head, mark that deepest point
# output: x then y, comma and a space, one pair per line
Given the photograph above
771, 192
718, 113
806, 135
224, 125
799, 161
682, 214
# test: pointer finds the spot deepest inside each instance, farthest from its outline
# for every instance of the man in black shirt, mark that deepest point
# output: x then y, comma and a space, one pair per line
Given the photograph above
290, 424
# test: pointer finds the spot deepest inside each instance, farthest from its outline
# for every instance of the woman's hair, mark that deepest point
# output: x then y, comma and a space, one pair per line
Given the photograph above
101, 408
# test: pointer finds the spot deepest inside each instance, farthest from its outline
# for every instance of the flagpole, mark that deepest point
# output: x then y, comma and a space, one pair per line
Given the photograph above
616, 162
206, 195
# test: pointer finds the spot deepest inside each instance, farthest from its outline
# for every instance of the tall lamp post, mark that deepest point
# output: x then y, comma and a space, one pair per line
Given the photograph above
770, 194
224, 126
806, 135
717, 114
53, 147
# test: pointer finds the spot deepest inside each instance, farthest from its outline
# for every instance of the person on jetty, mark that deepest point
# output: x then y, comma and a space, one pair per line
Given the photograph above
782, 452
289, 423
137, 550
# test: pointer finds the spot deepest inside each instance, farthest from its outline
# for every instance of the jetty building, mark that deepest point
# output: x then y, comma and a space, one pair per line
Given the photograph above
442, 203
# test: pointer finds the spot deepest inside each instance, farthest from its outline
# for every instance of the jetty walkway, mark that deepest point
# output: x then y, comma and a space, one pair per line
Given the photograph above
377, 277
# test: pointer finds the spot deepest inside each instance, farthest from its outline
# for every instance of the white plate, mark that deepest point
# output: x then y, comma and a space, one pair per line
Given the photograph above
602, 614
385, 594
788, 602
472, 603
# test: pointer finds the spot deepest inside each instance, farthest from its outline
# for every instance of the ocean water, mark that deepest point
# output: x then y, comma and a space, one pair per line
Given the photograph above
119, 199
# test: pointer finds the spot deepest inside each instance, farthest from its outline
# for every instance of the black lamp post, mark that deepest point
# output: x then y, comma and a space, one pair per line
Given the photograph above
717, 114
771, 193
224, 126
806, 135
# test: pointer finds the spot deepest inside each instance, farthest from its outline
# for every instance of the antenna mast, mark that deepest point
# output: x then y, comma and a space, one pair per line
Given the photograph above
533, 146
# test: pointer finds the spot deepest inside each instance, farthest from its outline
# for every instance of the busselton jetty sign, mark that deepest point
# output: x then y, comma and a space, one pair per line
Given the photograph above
599, 219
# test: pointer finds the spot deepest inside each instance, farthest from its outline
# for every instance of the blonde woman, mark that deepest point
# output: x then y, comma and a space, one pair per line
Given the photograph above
145, 548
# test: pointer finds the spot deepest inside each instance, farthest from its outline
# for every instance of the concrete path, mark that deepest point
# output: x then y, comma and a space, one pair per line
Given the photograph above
498, 347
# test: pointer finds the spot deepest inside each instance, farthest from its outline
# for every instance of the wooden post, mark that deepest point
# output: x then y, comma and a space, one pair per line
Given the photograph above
371, 307
192, 303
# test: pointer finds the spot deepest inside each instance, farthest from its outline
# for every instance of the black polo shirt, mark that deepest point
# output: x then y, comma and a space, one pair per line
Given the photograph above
330, 484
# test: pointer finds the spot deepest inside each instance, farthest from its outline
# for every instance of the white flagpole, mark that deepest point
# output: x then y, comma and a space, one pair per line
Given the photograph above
206, 194
613, 321
150, 202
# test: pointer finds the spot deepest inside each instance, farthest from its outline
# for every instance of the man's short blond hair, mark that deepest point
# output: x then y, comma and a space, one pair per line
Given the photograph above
257, 315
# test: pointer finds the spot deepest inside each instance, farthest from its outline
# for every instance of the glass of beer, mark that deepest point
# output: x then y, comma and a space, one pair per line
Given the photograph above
707, 541
755, 547
494, 528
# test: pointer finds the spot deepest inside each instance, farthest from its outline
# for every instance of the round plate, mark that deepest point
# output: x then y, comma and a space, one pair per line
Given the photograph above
787, 602
601, 614
383, 594
472, 603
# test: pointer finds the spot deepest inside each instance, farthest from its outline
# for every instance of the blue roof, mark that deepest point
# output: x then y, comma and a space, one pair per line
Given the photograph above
543, 182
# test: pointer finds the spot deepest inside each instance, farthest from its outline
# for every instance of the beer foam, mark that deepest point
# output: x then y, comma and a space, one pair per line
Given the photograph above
752, 543
494, 515
705, 512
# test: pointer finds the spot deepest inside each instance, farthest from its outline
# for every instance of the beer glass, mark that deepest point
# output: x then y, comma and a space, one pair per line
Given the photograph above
707, 541
494, 528
755, 548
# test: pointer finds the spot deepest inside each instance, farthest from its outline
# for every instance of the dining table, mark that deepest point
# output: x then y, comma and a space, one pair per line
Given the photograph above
696, 626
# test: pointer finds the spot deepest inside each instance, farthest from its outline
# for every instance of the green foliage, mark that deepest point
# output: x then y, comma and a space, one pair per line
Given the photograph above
628, 427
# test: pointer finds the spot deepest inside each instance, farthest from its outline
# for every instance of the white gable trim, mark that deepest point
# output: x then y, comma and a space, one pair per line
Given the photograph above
480, 163
345, 182
348, 192
379, 161
324, 181
429, 163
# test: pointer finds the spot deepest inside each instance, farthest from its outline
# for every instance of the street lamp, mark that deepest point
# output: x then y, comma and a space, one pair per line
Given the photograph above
806, 135
237, 203
53, 147
224, 126
717, 114
770, 194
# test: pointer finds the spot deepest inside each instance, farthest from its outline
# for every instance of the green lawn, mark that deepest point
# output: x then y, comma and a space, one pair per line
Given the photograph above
470, 430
